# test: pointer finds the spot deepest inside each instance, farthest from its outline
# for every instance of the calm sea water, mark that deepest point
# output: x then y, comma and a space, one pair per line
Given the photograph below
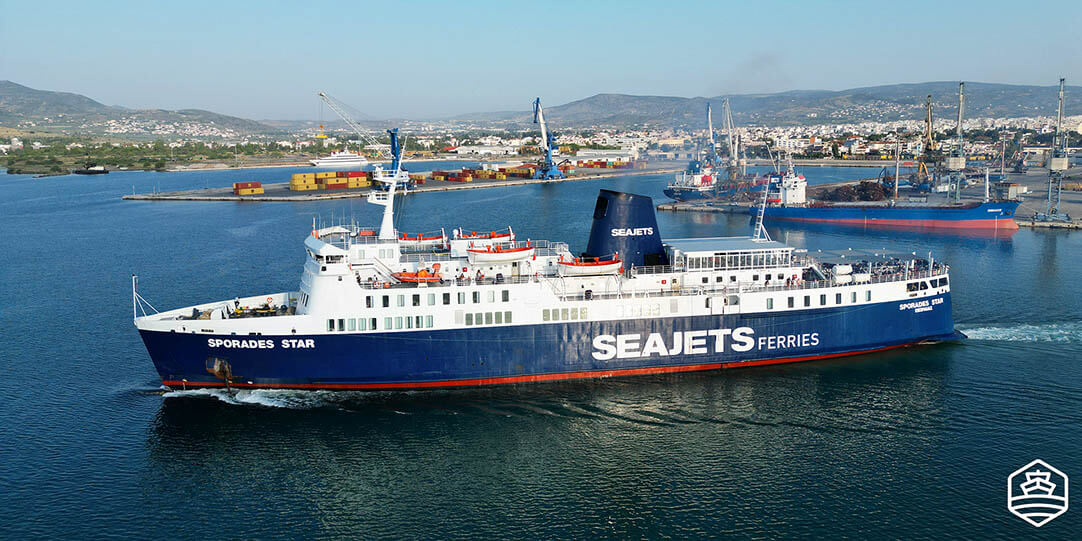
914, 443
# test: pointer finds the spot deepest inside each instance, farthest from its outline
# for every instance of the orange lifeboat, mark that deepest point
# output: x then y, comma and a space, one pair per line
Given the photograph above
588, 266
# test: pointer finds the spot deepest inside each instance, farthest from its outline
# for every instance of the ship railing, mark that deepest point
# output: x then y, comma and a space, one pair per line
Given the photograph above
682, 291
449, 282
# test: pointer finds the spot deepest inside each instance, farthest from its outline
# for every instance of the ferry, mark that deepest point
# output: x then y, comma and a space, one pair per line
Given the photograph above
374, 313
340, 159
790, 203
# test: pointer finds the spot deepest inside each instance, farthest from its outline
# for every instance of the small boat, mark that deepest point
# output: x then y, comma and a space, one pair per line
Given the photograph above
500, 253
586, 266
421, 276
491, 235
423, 240
91, 169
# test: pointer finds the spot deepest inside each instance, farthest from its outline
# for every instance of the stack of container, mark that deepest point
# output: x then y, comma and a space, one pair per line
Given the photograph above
356, 179
247, 188
417, 178
302, 182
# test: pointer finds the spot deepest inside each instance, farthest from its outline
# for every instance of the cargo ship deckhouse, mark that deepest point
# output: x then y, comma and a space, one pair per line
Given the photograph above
380, 309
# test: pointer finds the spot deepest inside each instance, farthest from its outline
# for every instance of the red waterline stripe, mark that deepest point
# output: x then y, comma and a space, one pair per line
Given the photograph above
529, 379
991, 223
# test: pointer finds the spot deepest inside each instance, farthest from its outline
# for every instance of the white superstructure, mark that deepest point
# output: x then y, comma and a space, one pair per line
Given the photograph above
340, 159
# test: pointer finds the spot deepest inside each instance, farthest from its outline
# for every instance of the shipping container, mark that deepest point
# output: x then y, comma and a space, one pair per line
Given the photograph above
248, 191
302, 187
325, 174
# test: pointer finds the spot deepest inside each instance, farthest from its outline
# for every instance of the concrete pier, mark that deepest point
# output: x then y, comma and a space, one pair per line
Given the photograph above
279, 192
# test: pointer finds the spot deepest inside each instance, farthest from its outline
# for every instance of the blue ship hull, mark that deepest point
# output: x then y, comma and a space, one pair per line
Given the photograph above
976, 216
544, 352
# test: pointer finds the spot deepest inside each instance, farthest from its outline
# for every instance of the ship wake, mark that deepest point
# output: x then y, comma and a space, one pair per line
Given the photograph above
1063, 332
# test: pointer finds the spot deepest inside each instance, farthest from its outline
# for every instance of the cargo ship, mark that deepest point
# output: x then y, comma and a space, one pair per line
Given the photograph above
788, 201
384, 311
698, 181
340, 159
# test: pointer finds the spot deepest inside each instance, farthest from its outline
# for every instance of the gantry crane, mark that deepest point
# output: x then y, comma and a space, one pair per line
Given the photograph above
1057, 164
548, 168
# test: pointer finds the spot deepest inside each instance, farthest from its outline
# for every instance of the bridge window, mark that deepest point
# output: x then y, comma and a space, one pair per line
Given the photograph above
401, 300
461, 298
706, 279
428, 322
807, 300
409, 322
563, 314
822, 300
507, 316
499, 318
352, 324
431, 299
398, 322
769, 303
582, 314
386, 301
446, 298
417, 321
545, 314
791, 302
837, 298
868, 295
476, 297
416, 300
923, 286
854, 297
477, 318
754, 277
506, 296
469, 319
330, 324
342, 324
368, 301
911, 287
488, 318
574, 314
387, 323
372, 324
491, 296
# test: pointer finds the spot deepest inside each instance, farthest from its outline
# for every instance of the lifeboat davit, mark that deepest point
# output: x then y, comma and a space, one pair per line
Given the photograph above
421, 276
588, 266
500, 254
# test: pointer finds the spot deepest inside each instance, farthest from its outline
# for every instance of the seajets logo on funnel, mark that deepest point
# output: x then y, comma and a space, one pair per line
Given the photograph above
631, 232
1037, 493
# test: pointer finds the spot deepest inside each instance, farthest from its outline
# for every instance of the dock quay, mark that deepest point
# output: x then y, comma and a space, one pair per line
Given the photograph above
280, 192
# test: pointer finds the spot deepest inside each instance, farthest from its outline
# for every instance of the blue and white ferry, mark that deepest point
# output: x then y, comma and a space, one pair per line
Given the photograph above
375, 312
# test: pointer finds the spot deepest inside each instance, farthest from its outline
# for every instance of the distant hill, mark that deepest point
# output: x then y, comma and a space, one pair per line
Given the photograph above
879, 103
21, 106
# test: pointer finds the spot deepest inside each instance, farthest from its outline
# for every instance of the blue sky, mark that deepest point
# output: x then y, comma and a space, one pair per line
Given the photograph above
268, 59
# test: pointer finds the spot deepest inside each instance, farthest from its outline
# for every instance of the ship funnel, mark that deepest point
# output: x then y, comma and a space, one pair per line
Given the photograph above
625, 223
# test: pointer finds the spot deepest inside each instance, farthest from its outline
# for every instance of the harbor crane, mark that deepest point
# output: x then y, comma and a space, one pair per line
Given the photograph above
733, 165
956, 162
548, 169
1057, 164
340, 110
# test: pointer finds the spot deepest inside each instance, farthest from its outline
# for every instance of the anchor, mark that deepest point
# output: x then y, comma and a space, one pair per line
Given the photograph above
220, 369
